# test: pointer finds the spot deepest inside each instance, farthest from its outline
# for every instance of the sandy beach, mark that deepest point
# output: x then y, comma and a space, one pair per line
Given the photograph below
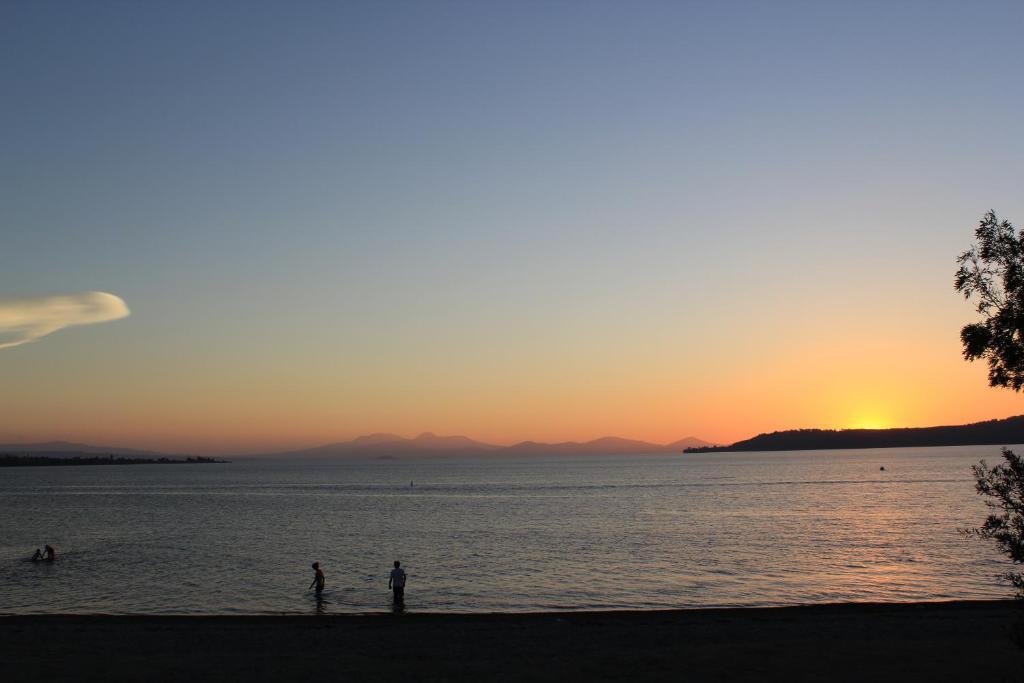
953, 641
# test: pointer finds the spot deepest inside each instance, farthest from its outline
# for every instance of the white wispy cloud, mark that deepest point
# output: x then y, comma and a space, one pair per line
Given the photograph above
26, 319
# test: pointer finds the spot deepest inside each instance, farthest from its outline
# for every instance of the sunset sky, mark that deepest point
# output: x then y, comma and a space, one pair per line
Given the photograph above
511, 221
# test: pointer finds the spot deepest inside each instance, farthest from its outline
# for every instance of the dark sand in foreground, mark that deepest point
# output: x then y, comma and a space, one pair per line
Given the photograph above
957, 641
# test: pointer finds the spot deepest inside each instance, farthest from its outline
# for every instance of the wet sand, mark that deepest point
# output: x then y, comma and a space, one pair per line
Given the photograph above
954, 641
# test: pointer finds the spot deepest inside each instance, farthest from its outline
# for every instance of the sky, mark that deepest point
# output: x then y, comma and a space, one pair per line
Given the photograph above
509, 220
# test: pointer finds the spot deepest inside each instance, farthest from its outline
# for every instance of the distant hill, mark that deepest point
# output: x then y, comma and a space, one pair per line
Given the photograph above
426, 443
383, 445
49, 460
372, 439
391, 445
431, 441
688, 442
65, 449
609, 445
991, 432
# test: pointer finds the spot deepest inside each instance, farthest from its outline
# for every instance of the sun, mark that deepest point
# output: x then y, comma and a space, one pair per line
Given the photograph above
870, 422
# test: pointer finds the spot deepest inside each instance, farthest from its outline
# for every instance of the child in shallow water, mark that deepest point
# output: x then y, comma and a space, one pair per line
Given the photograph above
396, 583
318, 578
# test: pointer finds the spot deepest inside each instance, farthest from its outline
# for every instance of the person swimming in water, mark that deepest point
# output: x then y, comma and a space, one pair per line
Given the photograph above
318, 579
38, 556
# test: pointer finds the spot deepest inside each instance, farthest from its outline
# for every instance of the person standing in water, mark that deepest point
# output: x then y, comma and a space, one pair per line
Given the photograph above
50, 555
396, 582
318, 579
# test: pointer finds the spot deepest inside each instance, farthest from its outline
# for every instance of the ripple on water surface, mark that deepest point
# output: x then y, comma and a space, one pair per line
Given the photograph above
505, 534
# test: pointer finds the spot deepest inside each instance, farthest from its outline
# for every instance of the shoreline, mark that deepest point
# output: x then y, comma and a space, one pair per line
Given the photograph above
953, 640
35, 460
554, 613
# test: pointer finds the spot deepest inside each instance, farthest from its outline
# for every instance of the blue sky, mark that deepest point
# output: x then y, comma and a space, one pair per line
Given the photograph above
367, 188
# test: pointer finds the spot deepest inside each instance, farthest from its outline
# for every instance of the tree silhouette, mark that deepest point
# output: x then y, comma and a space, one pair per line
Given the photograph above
1003, 486
992, 271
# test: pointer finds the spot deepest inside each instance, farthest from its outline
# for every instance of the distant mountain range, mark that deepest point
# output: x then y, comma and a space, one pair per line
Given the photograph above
989, 433
392, 444
63, 448
609, 445
1007, 431
384, 445
428, 443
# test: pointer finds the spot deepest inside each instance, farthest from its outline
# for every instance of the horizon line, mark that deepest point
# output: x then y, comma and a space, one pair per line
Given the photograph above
496, 445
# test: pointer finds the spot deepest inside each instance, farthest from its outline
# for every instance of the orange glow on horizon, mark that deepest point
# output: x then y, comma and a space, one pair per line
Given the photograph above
657, 386
870, 423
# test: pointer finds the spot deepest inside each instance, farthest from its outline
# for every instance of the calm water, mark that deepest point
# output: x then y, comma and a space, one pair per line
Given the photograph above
476, 535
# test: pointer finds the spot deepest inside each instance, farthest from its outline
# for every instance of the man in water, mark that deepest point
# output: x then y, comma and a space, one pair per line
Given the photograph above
318, 579
38, 556
396, 582
50, 555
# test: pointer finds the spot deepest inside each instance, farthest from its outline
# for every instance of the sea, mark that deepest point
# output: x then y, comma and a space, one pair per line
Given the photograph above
499, 534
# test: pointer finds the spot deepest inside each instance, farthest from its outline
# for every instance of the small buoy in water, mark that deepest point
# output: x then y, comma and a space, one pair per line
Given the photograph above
882, 468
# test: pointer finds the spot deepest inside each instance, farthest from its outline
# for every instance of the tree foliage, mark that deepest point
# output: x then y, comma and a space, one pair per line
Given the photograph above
992, 271
1003, 488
